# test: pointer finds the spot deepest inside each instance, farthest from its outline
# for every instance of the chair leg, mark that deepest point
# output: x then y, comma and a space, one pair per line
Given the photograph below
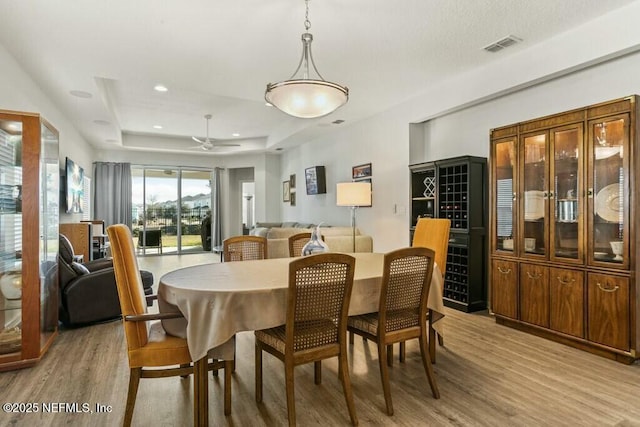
317, 371
384, 376
426, 361
134, 381
291, 398
403, 351
432, 340
258, 365
390, 355
227, 386
440, 340
185, 365
351, 334
343, 372
233, 366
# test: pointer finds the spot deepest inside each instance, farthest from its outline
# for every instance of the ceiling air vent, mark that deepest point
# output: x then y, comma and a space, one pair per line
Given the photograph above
502, 43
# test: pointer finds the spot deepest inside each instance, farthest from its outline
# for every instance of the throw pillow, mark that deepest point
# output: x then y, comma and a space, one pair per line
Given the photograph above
259, 231
79, 268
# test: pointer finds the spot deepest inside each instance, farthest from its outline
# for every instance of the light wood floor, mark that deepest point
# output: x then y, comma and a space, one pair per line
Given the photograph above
487, 374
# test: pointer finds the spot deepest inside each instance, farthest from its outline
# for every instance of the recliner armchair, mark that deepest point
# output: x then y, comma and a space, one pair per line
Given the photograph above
88, 292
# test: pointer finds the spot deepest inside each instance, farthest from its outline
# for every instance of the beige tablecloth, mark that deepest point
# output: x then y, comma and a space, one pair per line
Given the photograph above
218, 300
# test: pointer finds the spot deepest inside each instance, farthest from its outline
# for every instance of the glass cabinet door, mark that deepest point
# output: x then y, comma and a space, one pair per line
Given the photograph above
534, 195
48, 218
504, 168
608, 189
566, 194
10, 236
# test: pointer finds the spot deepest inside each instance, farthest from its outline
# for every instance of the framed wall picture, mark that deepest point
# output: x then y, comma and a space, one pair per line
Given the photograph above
292, 181
293, 198
286, 191
315, 180
361, 171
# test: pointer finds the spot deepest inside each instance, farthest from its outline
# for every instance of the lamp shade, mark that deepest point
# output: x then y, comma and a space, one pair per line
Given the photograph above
353, 194
306, 98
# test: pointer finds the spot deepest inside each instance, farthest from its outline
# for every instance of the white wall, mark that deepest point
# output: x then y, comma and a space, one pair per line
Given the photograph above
18, 92
594, 63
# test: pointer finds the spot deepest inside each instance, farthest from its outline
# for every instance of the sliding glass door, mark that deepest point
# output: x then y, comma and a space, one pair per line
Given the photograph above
170, 209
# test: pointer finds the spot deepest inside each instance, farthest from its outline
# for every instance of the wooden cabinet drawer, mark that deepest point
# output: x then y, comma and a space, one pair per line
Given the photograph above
566, 301
504, 288
609, 313
534, 294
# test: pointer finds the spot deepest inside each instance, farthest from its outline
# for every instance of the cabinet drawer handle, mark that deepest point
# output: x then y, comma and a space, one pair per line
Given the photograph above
503, 271
602, 288
534, 276
566, 282
551, 195
590, 193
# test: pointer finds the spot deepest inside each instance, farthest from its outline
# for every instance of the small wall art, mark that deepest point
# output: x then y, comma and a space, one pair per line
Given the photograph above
361, 171
286, 191
315, 180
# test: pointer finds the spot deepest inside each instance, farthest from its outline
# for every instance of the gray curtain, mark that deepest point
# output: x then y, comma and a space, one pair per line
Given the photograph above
216, 217
112, 193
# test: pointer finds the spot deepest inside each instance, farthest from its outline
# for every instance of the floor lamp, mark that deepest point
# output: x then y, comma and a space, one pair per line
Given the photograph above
353, 194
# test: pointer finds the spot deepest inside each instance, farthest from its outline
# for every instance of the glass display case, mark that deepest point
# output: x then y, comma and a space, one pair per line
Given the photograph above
561, 222
29, 212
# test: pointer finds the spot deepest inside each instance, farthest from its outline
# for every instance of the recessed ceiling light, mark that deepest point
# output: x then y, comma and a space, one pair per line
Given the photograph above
81, 94
235, 134
157, 127
102, 122
160, 88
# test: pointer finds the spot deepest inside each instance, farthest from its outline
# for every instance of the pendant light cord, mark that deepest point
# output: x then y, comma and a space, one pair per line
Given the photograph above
307, 23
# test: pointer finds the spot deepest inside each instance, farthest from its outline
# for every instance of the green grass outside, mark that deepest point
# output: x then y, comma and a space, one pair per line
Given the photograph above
187, 240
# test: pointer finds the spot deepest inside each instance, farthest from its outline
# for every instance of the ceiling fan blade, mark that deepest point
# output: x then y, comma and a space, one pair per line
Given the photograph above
225, 144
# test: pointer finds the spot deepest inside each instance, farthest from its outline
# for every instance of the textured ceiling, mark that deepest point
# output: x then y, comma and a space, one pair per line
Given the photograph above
217, 57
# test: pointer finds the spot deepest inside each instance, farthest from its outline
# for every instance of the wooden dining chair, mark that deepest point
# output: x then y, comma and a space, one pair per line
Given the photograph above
148, 346
297, 242
406, 279
317, 307
432, 233
244, 248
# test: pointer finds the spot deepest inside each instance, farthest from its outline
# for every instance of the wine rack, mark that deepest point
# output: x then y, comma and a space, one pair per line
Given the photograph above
459, 194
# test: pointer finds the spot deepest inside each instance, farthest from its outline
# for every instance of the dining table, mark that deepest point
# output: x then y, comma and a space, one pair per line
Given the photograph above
218, 300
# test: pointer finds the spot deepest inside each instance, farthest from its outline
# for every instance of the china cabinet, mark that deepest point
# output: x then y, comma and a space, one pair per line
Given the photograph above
455, 189
29, 198
562, 227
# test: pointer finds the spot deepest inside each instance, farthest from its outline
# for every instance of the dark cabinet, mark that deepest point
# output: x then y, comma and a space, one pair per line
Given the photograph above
455, 189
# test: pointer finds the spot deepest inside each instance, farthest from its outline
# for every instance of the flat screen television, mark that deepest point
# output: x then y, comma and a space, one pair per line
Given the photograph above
74, 186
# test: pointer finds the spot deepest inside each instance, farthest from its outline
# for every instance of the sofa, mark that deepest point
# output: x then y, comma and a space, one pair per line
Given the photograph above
339, 239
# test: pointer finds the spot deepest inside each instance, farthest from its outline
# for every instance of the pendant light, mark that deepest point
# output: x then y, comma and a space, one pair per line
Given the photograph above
303, 96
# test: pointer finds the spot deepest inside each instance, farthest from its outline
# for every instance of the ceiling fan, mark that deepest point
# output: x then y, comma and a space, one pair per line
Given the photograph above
209, 144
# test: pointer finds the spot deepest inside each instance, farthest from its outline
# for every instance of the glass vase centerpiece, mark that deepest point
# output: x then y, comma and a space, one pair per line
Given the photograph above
316, 244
